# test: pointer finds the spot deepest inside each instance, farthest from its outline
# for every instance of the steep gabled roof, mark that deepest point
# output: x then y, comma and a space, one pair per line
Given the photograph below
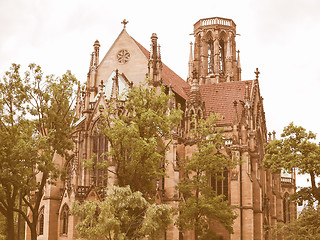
169, 77
219, 98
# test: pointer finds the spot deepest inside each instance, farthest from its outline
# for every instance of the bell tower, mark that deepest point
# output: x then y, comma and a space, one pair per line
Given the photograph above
215, 56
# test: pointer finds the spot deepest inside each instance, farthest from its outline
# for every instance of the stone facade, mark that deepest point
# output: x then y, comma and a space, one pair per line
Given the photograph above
213, 85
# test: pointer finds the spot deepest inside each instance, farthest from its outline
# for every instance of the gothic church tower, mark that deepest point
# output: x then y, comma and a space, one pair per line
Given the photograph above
215, 51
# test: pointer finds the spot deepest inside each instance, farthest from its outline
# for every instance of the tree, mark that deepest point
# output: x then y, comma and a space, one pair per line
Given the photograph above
36, 122
296, 150
307, 226
139, 130
201, 203
14, 130
121, 215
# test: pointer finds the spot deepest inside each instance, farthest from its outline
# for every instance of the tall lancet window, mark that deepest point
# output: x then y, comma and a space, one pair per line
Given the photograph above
210, 56
219, 183
221, 57
64, 217
100, 147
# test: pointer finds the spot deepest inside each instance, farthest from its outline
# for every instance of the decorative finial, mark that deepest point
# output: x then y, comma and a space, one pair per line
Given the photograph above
257, 73
101, 85
273, 135
124, 22
269, 139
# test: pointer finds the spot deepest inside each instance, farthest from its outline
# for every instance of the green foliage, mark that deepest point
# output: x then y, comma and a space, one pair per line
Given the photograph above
35, 123
306, 227
296, 150
201, 202
122, 215
137, 130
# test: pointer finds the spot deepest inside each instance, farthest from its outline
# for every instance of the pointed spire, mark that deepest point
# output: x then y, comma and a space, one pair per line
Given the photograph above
269, 138
247, 94
101, 86
190, 63
96, 47
154, 44
239, 66
155, 64
171, 101
273, 135
115, 86
235, 116
235, 123
91, 61
238, 61
158, 52
195, 95
78, 101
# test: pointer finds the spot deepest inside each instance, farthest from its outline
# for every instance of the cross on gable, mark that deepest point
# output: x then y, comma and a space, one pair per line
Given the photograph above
124, 22
257, 73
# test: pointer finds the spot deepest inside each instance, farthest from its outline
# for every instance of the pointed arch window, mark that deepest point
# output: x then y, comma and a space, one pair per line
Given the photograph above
286, 208
210, 56
221, 57
220, 183
64, 220
100, 146
69, 174
41, 221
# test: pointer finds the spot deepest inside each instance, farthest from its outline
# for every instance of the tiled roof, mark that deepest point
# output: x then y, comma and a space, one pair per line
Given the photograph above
169, 77
219, 98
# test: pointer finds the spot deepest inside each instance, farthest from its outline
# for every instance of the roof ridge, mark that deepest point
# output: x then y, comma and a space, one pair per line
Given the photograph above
169, 77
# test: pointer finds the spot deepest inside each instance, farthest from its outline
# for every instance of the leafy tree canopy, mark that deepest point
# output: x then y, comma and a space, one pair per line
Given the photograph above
296, 150
122, 215
139, 130
201, 203
35, 123
307, 226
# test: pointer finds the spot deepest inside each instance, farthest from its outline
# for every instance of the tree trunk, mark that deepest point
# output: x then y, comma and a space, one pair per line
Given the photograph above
10, 222
33, 231
315, 190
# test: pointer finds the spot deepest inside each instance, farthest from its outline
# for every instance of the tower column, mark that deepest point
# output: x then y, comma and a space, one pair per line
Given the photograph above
216, 57
229, 57
203, 60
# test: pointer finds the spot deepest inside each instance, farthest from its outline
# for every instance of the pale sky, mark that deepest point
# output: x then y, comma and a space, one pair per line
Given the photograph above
280, 37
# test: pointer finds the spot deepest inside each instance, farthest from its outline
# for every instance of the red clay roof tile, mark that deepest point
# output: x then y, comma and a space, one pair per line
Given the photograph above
219, 98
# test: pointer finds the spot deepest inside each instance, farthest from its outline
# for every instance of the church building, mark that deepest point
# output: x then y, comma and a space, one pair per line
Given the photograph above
213, 84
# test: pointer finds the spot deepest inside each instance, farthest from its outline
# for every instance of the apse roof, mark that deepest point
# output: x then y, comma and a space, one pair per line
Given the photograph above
219, 98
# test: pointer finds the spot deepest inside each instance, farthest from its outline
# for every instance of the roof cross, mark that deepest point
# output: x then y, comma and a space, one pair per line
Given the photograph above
124, 22
257, 73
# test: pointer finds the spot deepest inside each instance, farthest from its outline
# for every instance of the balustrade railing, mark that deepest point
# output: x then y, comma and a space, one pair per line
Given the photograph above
214, 21
287, 180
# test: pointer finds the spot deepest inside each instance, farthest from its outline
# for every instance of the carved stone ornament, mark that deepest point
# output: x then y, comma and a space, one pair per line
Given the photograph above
123, 56
234, 175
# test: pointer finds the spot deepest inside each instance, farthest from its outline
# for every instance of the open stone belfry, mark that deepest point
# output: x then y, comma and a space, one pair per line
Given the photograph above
213, 85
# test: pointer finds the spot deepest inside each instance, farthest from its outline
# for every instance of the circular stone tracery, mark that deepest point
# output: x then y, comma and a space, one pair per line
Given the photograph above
123, 56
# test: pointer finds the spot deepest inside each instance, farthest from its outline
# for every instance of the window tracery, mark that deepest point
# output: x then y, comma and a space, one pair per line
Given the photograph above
100, 147
219, 183
64, 219
41, 221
